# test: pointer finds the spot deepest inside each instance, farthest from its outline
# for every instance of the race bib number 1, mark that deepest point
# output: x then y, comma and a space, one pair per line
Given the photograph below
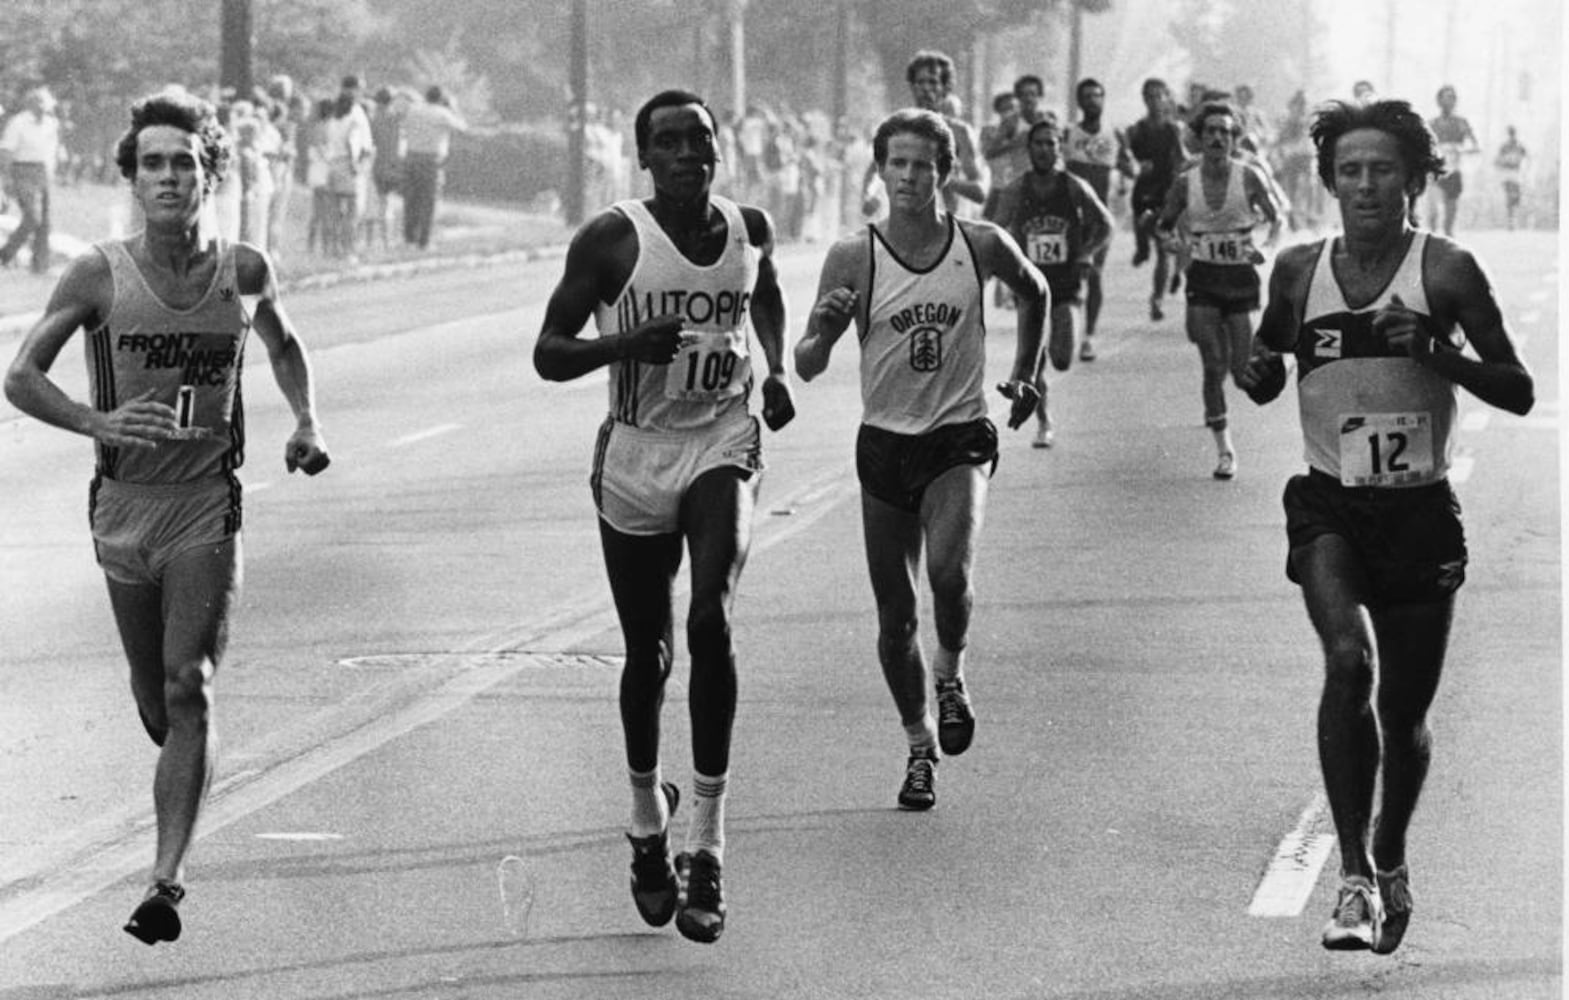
709, 366
1047, 248
1386, 449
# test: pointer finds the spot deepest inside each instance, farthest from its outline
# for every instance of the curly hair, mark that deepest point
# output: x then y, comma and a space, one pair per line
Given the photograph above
1209, 110
1415, 140
182, 111
941, 62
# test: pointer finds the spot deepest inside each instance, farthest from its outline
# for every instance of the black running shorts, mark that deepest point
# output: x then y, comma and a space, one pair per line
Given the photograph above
897, 468
1228, 287
1411, 541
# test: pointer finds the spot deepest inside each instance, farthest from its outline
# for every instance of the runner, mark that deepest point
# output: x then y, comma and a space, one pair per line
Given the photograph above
166, 313
1377, 320
1510, 164
914, 290
1093, 152
930, 76
675, 283
1155, 142
1455, 141
1220, 200
1063, 228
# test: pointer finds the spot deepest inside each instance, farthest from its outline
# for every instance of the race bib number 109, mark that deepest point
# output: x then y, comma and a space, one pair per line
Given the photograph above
709, 366
1386, 449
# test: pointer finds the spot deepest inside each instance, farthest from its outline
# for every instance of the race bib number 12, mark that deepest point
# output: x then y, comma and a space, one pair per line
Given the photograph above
1386, 449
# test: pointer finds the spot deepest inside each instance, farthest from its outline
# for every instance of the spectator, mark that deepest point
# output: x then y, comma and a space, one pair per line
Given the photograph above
386, 175
349, 152
427, 134
29, 149
289, 111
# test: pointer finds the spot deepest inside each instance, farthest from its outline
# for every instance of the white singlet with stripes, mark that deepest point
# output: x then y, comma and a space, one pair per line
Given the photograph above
712, 375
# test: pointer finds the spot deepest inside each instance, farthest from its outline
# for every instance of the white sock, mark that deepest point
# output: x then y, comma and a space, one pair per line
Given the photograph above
650, 811
948, 665
707, 830
922, 735
1223, 445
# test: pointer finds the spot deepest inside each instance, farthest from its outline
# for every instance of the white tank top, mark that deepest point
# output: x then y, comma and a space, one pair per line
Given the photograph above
1223, 235
190, 358
923, 350
711, 377
1371, 417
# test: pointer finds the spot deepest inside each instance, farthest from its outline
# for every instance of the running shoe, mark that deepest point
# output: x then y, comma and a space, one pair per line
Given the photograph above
1045, 437
920, 777
955, 718
1394, 890
1087, 350
654, 887
1155, 312
1357, 917
701, 914
157, 918
1226, 468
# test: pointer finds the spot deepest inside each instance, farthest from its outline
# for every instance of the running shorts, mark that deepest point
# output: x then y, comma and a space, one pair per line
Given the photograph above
1449, 185
640, 476
138, 529
897, 468
1230, 288
1410, 541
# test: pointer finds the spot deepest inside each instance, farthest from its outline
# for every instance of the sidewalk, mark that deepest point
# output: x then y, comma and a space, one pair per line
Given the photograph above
468, 235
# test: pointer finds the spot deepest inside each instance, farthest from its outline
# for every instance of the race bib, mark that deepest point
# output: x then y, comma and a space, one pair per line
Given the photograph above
1223, 248
1047, 248
710, 366
1386, 449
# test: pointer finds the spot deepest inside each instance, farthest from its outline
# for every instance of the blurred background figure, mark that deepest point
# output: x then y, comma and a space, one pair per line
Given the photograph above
427, 137
1510, 164
29, 150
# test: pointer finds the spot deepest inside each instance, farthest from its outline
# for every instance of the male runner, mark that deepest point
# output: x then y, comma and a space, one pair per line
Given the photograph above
1510, 164
1221, 200
166, 313
926, 448
1156, 145
1377, 319
1009, 141
930, 76
1092, 152
676, 284
1063, 228
1455, 141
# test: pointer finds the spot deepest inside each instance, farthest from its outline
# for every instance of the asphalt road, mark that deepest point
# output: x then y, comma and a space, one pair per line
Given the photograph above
420, 735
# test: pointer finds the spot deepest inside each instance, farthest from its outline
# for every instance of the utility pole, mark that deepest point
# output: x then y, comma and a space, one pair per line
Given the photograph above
572, 202
1075, 50
738, 55
841, 62
237, 32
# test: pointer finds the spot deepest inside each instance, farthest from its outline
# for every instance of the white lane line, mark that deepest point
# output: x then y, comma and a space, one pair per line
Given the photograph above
1540, 295
1534, 316
424, 435
1460, 469
301, 836
1475, 420
1294, 870
49, 878
256, 487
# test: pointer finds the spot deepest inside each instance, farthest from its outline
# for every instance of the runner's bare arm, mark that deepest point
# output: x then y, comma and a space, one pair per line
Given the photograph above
841, 291
770, 319
305, 449
1461, 290
1002, 258
79, 301
597, 265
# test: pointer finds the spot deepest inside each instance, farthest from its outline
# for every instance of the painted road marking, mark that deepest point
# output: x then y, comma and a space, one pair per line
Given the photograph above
79, 862
300, 836
1293, 872
424, 435
1461, 468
